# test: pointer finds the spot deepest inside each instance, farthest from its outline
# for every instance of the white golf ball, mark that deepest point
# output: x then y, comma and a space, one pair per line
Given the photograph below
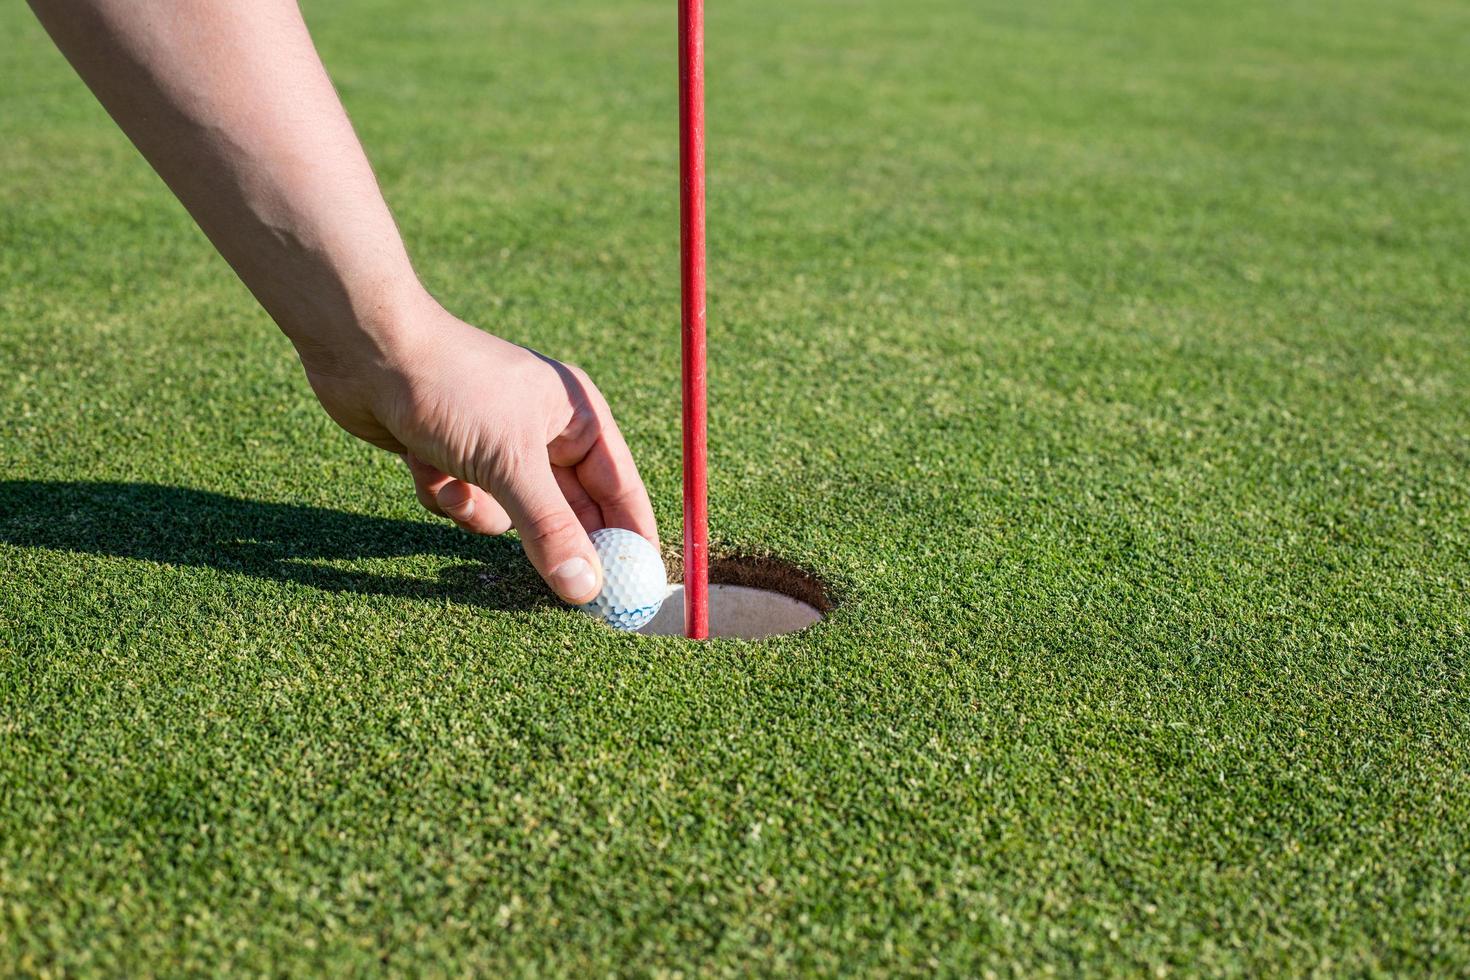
634, 582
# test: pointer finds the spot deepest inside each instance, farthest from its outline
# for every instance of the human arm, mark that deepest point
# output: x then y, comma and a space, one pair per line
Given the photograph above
232, 107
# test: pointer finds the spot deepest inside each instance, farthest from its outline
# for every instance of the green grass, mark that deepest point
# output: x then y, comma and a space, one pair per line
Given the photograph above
1113, 364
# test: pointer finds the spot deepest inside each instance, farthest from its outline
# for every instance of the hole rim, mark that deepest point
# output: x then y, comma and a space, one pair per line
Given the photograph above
765, 572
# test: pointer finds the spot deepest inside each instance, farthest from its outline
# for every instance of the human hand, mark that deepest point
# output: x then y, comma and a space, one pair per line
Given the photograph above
495, 436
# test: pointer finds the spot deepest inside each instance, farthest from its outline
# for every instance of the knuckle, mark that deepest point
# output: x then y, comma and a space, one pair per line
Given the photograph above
459, 510
576, 438
585, 393
587, 512
496, 466
584, 424
549, 528
623, 494
426, 499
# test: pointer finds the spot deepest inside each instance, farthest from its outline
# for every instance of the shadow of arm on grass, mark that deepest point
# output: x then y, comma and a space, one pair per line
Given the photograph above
283, 542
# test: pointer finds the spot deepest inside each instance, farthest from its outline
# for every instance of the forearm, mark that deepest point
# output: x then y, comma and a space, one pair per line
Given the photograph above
230, 104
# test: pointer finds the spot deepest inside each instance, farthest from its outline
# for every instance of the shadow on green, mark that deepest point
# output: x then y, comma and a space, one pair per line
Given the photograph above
284, 542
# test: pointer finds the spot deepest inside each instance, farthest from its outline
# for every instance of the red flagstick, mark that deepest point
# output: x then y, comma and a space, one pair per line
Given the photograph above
691, 261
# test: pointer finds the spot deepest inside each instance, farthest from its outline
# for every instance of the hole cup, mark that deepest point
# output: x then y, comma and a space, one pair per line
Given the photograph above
749, 599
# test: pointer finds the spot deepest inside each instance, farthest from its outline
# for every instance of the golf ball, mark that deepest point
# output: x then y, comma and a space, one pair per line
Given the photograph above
634, 582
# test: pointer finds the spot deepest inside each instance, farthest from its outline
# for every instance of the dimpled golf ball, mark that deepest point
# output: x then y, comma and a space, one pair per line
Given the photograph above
634, 582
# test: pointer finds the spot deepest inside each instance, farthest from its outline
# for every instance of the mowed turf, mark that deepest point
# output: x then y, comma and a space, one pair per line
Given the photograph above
1112, 365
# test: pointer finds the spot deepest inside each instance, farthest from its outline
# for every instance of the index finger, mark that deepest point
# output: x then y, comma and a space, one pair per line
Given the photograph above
611, 479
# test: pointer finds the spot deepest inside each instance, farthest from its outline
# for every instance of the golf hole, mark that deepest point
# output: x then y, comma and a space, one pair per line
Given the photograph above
749, 599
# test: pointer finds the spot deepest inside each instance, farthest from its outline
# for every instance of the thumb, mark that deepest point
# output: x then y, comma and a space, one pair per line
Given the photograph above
553, 537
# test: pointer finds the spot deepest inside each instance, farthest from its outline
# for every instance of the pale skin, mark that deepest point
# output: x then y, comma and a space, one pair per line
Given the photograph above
230, 104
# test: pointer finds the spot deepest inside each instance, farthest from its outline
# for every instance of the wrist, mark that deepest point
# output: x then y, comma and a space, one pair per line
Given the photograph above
370, 327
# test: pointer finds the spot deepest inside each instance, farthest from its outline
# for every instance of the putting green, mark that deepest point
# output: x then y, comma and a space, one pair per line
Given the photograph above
1111, 365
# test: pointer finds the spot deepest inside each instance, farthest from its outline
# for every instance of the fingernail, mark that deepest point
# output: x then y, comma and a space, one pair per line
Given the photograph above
574, 579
